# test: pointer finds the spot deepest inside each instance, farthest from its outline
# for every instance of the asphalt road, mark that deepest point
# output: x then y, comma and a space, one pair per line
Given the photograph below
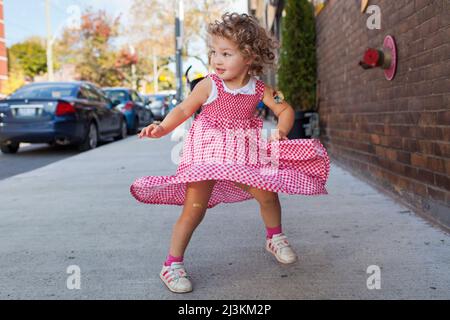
31, 157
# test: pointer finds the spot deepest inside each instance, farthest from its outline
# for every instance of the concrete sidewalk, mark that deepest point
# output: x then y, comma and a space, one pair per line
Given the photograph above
79, 211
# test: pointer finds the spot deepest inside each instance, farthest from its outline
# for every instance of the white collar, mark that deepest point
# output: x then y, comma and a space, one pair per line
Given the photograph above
249, 88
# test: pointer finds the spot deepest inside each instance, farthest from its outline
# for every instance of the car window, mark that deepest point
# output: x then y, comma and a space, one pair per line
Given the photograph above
156, 98
82, 94
119, 95
135, 97
94, 96
87, 93
103, 98
143, 98
45, 91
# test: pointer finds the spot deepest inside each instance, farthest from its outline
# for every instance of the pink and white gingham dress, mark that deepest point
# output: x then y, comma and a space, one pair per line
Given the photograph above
226, 144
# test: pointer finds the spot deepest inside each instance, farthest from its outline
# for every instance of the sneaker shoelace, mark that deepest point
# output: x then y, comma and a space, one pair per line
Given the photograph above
178, 272
280, 242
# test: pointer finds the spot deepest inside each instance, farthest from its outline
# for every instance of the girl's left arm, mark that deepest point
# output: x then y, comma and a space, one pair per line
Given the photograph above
282, 110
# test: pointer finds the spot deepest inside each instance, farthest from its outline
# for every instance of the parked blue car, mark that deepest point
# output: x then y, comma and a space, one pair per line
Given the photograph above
132, 105
59, 113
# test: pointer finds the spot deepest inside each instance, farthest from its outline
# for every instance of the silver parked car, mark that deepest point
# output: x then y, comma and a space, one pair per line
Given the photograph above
159, 104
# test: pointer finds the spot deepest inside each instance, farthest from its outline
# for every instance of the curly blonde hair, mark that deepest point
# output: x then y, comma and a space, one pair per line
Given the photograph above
253, 40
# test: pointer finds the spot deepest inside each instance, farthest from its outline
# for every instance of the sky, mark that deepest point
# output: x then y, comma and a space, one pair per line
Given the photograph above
25, 18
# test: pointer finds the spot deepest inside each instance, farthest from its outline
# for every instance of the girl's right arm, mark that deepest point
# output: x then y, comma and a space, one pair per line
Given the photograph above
180, 113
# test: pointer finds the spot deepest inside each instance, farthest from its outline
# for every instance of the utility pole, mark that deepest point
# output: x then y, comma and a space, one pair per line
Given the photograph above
133, 68
179, 48
155, 72
49, 41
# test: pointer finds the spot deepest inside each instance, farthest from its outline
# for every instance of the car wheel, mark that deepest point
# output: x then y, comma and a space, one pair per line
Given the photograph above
123, 131
91, 140
10, 148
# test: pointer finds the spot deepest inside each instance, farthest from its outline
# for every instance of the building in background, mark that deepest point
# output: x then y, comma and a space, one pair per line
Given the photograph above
393, 134
3, 52
269, 14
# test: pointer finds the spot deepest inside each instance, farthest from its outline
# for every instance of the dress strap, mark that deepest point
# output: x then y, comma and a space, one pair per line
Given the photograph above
217, 81
260, 87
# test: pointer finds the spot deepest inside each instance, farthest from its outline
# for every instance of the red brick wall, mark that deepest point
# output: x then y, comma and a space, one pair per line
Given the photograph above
393, 133
3, 55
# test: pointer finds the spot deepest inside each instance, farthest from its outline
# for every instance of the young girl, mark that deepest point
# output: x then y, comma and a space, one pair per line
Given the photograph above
210, 171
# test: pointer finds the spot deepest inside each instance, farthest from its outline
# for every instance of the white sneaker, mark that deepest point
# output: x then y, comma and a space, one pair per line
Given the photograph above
281, 249
176, 278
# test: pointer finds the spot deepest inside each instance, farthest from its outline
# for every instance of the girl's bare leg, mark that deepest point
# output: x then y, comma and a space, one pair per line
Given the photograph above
271, 214
269, 204
196, 201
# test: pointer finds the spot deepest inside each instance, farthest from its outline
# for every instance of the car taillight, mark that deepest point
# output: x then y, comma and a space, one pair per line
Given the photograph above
128, 106
64, 108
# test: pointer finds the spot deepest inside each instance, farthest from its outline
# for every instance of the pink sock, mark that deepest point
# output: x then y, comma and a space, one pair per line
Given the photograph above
171, 259
272, 231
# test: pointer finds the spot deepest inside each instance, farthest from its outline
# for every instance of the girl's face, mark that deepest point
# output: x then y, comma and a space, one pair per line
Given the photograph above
226, 59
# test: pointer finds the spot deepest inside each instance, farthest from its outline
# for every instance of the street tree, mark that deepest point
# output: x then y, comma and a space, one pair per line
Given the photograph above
91, 48
152, 28
28, 56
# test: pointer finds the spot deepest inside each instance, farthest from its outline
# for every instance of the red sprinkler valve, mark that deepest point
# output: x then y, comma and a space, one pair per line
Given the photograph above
386, 58
372, 58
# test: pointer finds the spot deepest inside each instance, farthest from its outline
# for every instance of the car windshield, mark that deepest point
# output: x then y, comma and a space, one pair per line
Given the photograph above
45, 91
156, 98
116, 95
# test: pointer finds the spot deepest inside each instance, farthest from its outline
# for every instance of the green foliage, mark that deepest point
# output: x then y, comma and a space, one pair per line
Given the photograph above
297, 74
97, 57
29, 56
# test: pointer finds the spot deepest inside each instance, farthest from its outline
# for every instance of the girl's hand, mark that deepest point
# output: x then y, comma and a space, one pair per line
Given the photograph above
278, 135
152, 131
